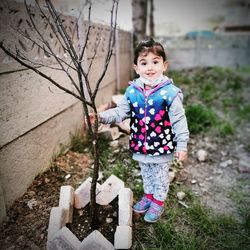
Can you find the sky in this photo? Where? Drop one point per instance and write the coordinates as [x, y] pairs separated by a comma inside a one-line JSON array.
[[186, 14], [171, 16]]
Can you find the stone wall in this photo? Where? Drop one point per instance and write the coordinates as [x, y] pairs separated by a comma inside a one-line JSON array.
[[222, 50], [35, 116]]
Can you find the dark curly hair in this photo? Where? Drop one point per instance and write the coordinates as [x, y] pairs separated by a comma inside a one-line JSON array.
[[149, 46]]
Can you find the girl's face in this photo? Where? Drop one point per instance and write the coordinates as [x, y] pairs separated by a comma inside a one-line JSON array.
[[150, 66]]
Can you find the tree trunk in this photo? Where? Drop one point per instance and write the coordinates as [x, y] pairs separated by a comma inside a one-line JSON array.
[[93, 211], [151, 19], [139, 19]]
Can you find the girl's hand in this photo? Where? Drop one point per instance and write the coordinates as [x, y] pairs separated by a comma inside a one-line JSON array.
[[181, 155], [92, 118]]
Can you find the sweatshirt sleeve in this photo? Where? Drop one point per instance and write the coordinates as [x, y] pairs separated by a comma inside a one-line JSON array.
[[117, 114], [179, 123]]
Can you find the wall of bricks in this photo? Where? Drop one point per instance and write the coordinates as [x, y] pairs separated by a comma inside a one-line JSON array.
[[35, 116]]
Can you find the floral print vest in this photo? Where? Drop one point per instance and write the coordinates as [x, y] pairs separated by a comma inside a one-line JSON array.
[[150, 129]]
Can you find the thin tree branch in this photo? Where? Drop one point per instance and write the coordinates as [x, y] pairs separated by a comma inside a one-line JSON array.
[[78, 18], [110, 45], [23, 57], [68, 42], [87, 34], [51, 26], [27, 36], [93, 57], [44, 41], [16, 58], [62, 31]]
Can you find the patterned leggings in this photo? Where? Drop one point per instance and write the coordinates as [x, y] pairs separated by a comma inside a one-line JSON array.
[[155, 179]]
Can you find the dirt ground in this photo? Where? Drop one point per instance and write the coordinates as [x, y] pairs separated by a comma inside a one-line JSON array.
[[222, 181], [224, 170]]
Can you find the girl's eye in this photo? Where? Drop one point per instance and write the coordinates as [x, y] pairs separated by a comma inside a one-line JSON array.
[[155, 62], [143, 64]]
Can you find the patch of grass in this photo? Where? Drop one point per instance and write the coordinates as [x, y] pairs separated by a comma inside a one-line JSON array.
[[179, 77], [78, 142], [244, 70], [234, 83], [239, 194], [161, 236], [191, 228], [244, 112], [208, 91], [200, 118], [225, 128]]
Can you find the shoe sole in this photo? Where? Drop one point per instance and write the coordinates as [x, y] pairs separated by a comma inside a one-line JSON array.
[[140, 211], [151, 221]]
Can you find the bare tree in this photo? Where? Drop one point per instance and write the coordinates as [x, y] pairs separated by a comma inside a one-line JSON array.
[[74, 60]]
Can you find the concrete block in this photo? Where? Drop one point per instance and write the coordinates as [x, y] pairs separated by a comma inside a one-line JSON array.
[[66, 201], [109, 190], [109, 133], [57, 220], [64, 239], [125, 207], [50, 135], [96, 241], [123, 237], [125, 215], [171, 176], [125, 197], [23, 110], [82, 193], [124, 126]]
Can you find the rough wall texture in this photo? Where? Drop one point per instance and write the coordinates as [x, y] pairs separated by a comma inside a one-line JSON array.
[[35, 116]]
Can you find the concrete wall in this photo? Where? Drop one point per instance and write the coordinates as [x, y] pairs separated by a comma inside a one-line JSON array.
[[35, 116], [222, 50]]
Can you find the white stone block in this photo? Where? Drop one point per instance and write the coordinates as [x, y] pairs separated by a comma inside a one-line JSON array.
[[96, 241], [64, 239], [125, 215], [82, 193], [171, 176], [109, 190], [125, 197], [57, 220], [66, 201], [123, 237], [124, 126]]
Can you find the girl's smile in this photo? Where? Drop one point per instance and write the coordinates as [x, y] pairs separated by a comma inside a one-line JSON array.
[[150, 66]]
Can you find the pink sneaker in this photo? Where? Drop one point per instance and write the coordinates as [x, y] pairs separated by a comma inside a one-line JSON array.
[[154, 212], [142, 205]]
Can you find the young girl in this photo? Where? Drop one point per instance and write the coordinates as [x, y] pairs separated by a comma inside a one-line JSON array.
[[158, 125]]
